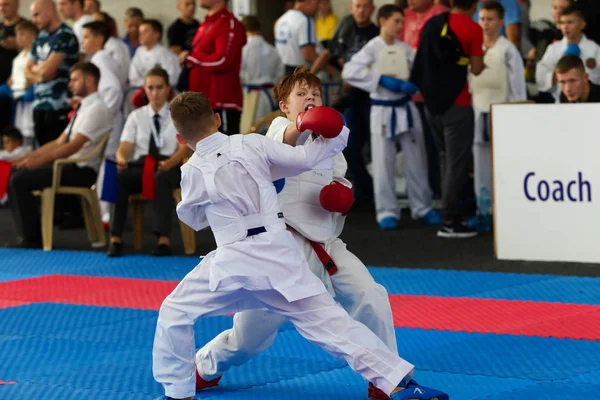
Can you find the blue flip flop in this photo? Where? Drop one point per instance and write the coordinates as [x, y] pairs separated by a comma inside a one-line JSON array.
[[415, 391]]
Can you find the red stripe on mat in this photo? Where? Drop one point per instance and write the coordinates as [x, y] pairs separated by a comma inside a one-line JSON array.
[[512, 317]]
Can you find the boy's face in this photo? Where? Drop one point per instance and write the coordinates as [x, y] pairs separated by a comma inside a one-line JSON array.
[[301, 99], [133, 25], [90, 43], [25, 38], [393, 25], [10, 144], [147, 35], [573, 84], [490, 22], [571, 26], [157, 90], [557, 8]]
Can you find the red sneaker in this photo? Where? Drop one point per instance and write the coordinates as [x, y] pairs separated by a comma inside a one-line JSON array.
[[374, 393], [202, 384]]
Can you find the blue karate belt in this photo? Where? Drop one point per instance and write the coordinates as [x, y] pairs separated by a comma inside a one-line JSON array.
[[486, 133], [403, 102], [256, 231]]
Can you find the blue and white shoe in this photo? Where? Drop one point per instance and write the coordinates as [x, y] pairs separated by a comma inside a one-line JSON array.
[[388, 223], [415, 391], [433, 217]]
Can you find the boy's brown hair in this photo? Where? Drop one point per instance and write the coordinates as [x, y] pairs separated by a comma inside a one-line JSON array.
[[191, 114], [568, 63], [301, 75], [25, 25], [158, 72]]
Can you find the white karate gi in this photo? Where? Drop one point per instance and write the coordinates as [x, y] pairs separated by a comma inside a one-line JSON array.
[[358, 72], [544, 70], [261, 65], [158, 56], [227, 184], [122, 59], [353, 286], [502, 80]]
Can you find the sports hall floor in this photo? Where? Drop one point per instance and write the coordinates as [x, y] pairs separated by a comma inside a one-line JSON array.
[[76, 325]]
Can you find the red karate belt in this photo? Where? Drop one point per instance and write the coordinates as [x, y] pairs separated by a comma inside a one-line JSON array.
[[149, 178], [320, 251], [5, 168]]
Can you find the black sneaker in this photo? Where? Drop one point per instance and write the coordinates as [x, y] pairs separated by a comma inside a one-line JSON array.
[[162, 250], [456, 230], [115, 249]]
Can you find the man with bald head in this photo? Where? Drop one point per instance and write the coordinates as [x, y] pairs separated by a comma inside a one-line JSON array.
[[54, 52]]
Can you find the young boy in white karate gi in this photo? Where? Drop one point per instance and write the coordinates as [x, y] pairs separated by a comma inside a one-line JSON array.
[[227, 185], [502, 80], [574, 42], [314, 205], [381, 68]]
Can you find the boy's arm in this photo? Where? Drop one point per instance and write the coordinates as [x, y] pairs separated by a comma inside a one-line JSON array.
[[357, 71], [544, 70], [516, 75], [194, 197]]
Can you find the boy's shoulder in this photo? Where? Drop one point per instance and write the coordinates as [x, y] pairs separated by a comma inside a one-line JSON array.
[[277, 128]]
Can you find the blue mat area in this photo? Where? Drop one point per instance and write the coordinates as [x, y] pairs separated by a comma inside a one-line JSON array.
[[59, 351]]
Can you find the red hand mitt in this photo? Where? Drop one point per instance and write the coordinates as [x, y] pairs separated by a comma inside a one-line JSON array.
[[336, 197]]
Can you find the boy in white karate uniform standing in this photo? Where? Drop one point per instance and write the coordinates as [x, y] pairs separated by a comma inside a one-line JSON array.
[[381, 67], [502, 80], [574, 42], [227, 185], [314, 206]]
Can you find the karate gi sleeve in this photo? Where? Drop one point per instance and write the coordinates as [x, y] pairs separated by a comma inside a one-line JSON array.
[[544, 71], [357, 71], [171, 64], [287, 161], [193, 198], [112, 96], [136, 78], [516, 75], [340, 166]]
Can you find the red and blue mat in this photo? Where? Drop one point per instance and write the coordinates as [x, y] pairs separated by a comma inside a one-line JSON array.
[[78, 325]]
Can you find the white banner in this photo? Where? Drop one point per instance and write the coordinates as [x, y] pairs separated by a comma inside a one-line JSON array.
[[546, 167]]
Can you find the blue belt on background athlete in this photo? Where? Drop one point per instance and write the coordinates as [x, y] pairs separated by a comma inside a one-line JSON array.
[[403, 102]]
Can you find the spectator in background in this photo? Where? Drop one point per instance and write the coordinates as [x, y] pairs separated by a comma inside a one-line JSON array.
[[19, 87], [261, 66], [574, 42], [73, 10], [149, 132], [326, 22], [181, 32], [543, 33], [54, 51], [133, 19], [214, 63], [503, 80], [440, 71], [34, 171], [352, 33], [574, 82], [512, 19], [415, 15], [12, 147], [117, 49], [151, 54], [91, 6], [9, 10]]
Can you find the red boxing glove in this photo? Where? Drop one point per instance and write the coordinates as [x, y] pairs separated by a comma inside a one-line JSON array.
[[336, 197], [322, 120]]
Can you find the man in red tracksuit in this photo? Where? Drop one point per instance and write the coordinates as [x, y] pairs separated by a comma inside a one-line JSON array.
[[215, 60]]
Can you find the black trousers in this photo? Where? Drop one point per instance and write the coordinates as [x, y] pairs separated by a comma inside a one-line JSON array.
[[130, 182], [358, 120], [453, 131], [230, 121], [23, 182], [49, 125], [433, 157]]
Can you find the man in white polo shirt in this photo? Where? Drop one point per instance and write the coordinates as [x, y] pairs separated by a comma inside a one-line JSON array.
[[90, 123], [295, 35]]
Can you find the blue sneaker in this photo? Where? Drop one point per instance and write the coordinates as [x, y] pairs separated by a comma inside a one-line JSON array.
[[388, 223], [415, 391], [481, 223], [433, 217]]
